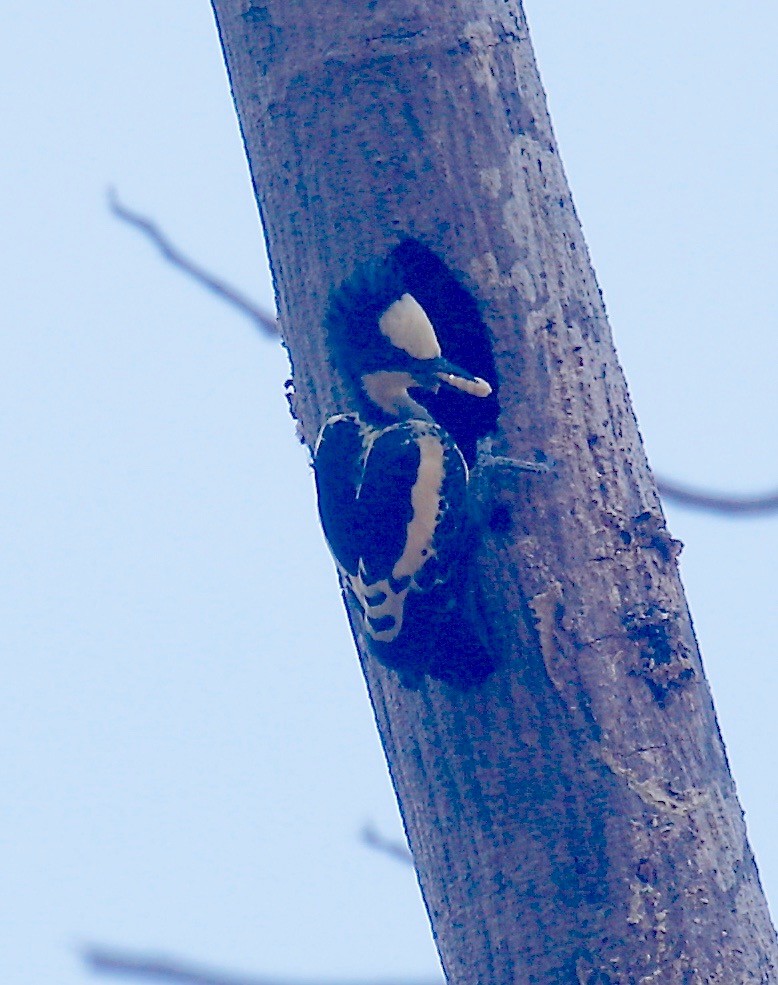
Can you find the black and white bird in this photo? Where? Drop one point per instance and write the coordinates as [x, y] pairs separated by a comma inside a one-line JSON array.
[[392, 485]]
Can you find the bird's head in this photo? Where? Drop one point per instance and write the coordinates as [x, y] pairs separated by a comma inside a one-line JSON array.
[[406, 355], [386, 345]]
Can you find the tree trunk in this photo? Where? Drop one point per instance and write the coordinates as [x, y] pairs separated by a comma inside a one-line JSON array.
[[573, 819]]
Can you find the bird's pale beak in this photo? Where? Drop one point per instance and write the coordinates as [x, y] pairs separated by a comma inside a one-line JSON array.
[[460, 379]]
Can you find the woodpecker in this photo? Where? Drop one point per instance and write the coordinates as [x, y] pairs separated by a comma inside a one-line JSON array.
[[392, 485]]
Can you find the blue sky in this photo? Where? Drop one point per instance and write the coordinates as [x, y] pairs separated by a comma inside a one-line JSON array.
[[188, 750]]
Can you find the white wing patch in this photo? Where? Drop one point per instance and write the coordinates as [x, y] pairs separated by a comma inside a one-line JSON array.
[[383, 601], [382, 605], [425, 503], [406, 325]]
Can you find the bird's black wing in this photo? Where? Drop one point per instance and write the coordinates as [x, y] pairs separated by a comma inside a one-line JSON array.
[[412, 503], [385, 499], [393, 508], [337, 467]]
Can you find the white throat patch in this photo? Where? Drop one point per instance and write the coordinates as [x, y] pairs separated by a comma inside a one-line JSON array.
[[389, 391], [406, 325]]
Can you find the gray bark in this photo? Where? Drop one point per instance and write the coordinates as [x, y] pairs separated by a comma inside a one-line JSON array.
[[573, 820]]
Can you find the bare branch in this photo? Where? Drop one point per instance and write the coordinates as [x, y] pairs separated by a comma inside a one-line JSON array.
[[106, 962], [698, 499], [262, 319], [395, 849]]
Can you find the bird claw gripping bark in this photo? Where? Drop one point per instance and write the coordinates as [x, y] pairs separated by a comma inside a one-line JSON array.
[[493, 474]]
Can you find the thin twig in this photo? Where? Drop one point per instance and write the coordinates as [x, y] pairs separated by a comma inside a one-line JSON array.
[[262, 319], [395, 849], [735, 506], [107, 962]]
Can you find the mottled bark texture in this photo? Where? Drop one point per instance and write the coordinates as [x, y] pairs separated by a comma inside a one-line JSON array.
[[573, 820]]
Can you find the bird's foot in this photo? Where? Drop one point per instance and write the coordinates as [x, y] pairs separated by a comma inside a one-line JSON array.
[[506, 466], [492, 474]]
